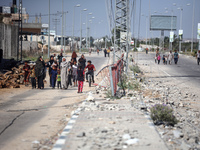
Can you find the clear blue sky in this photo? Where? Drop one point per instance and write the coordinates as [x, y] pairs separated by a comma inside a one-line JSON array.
[[98, 8]]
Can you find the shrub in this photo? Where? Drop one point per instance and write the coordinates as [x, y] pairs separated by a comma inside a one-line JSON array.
[[162, 114], [135, 69]]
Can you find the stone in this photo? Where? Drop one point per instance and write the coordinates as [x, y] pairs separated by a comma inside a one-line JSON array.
[[126, 137], [178, 134], [132, 141], [35, 144], [83, 134]]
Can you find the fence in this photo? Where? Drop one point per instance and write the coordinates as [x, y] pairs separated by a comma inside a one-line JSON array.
[[111, 75]]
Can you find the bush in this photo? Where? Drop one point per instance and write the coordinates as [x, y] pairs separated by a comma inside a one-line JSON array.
[[162, 114], [135, 69]]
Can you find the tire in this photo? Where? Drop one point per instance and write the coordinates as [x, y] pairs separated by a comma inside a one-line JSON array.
[[90, 80]]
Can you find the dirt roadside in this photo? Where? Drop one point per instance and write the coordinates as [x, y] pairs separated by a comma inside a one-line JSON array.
[[47, 129]]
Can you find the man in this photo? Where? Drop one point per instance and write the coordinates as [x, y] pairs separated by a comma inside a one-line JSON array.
[[176, 57], [60, 58], [49, 64], [105, 52], [198, 57], [91, 70]]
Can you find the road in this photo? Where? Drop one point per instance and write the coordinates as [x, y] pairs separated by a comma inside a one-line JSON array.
[[38, 114], [186, 74]]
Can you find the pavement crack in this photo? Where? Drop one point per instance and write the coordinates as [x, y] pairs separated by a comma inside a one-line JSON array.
[[10, 123]]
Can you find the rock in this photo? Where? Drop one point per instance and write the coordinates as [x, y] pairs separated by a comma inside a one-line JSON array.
[[35, 144], [178, 134], [81, 134], [131, 141], [45, 148], [181, 104], [108, 99], [104, 131], [126, 137]]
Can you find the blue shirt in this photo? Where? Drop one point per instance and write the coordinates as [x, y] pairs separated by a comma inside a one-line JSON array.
[[53, 73]]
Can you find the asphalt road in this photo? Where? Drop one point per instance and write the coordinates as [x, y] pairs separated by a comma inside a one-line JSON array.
[[20, 112], [186, 70]]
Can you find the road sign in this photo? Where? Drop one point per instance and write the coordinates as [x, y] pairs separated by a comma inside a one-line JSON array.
[[171, 36], [45, 25]]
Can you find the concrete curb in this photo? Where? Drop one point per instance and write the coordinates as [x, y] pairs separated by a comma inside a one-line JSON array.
[[63, 137]]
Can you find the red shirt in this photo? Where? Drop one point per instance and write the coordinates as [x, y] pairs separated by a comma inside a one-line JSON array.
[[90, 67]]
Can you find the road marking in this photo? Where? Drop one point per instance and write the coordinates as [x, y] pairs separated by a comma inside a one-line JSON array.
[[166, 73]]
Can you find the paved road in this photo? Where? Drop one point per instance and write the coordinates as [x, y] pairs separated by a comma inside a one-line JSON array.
[[187, 69], [20, 112]]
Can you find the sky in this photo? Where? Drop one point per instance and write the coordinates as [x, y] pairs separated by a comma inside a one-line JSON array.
[[100, 24]]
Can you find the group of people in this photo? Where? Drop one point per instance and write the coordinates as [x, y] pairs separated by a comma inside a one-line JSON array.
[[107, 52], [167, 59], [61, 72]]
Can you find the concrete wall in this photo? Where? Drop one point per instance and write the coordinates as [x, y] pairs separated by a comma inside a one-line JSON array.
[[28, 45], [8, 40]]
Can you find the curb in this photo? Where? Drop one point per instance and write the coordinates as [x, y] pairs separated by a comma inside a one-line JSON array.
[[63, 136]]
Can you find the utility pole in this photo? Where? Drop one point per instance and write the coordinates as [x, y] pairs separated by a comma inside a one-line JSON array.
[[193, 25], [62, 27], [20, 7], [49, 33], [64, 31]]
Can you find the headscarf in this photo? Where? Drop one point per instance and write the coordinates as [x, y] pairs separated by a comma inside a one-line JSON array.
[[64, 63], [39, 67]]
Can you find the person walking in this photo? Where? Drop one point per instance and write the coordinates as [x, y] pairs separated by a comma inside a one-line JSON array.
[[176, 57], [58, 78], [97, 51], [53, 77], [39, 72], [63, 70], [82, 61], [170, 57], [49, 65], [108, 52], [80, 78], [198, 57], [33, 77], [74, 55], [90, 51], [74, 73], [60, 59], [26, 70], [158, 58], [105, 52]]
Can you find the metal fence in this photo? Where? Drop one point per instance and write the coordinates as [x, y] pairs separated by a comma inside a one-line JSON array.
[[111, 75]]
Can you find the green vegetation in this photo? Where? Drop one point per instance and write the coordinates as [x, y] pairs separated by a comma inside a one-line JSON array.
[[135, 69], [163, 114]]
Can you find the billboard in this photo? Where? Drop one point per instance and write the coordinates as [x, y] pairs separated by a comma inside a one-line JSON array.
[[171, 39], [198, 31], [161, 22]]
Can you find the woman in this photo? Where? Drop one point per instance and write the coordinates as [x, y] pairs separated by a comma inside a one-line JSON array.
[[63, 70], [74, 55], [82, 61], [39, 72]]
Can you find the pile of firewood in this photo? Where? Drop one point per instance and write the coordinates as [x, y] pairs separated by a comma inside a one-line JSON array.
[[12, 78]]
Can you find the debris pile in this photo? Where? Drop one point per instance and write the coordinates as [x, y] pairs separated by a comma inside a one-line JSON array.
[[12, 78]]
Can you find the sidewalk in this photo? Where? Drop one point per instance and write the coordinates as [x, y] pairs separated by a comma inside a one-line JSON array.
[[110, 125]]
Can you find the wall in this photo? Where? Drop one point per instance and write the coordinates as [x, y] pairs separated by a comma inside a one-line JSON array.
[[8, 40]]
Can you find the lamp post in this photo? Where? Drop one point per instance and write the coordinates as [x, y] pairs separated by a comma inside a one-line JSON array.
[[81, 29], [78, 5], [193, 26], [87, 29], [181, 9], [49, 33], [62, 27]]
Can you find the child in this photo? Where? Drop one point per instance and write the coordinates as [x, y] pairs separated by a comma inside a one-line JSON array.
[[158, 58], [33, 77], [74, 73], [53, 77], [26, 69], [58, 78], [70, 74], [80, 78], [55, 64]]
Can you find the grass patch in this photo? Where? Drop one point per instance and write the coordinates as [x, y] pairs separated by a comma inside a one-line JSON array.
[[135, 69]]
